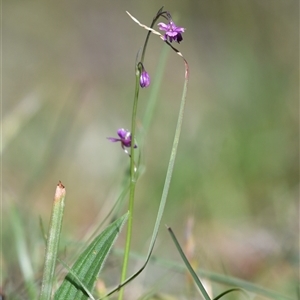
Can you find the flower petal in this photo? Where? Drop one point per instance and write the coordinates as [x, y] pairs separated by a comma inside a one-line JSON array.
[[163, 26], [122, 133], [114, 139]]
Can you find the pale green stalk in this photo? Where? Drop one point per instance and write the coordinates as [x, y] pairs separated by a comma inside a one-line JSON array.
[[167, 180], [53, 242], [133, 167], [133, 177]]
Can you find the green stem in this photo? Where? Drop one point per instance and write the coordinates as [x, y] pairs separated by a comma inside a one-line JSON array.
[[159, 13], [133, 167], [133, 176], [53, 242], [168, 176], [167, 180]]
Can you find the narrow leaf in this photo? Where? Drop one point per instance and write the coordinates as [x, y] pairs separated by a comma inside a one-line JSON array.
[[53, 241], [230, 291], [89, 264], [23, 253], [168, 175], [188, 265], [215, 277]]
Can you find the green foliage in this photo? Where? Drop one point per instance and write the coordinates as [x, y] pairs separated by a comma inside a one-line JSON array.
[[188, 265], [21, 245], [53, 242], [89, 264], [235, 171]]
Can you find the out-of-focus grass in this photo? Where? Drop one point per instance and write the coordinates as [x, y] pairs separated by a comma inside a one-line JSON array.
[[68, 80]]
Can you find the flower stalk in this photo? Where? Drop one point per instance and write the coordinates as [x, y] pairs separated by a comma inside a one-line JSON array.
[[173, 33], [133, 177]]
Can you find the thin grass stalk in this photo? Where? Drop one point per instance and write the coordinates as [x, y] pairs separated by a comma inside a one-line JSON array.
[[53, 242], [133, 177], [215, 277], [153, 98], [188, 265], [133, 167], [169, 170]]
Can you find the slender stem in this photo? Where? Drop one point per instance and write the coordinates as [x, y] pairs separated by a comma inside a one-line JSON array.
[[133, 173], [133, 167], [167, 180], [159, 13]]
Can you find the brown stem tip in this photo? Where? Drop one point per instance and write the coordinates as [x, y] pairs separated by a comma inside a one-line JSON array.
[[60, 191], [60, 185]]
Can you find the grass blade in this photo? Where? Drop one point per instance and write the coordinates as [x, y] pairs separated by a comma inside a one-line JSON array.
[[188, 265], [53, 241], [168, 176], [216, 277], [22, 250], [89, 264], [230, 291]]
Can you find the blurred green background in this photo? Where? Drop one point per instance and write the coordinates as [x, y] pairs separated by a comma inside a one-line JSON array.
[[68, 83]]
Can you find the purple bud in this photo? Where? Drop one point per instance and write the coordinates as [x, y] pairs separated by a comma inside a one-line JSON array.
[[144, 79]]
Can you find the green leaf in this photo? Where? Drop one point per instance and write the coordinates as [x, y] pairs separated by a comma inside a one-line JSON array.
[[188, 265], [53, 241], [89, 264], [168, 176], [230, 291]]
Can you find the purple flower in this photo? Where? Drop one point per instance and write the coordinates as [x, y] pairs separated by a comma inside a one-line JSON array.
[[144, 79], [125, 138], [173, 33]]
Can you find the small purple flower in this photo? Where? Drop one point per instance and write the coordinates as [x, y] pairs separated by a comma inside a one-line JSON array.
[[144, 79], [125, 138], [173, 33]]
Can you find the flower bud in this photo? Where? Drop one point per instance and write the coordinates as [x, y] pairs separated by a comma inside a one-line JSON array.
[[144, 79]]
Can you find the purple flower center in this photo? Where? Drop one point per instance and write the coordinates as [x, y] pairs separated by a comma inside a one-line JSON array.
[[173, 32]]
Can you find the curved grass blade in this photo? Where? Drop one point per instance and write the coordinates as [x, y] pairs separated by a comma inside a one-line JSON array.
[[169, 170], [230, 291], [89, 264], [188, 265], [215, 277]]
